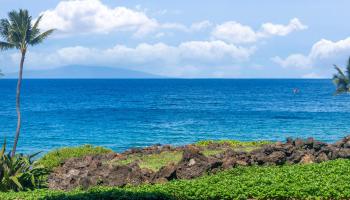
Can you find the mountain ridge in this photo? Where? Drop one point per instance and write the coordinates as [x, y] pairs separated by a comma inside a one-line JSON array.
[[83, 72]]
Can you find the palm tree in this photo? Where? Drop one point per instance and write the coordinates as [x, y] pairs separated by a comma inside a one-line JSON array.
[[18, 32], [341, 79]]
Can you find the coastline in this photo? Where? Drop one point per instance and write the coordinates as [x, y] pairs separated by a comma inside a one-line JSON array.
[[240, 165]]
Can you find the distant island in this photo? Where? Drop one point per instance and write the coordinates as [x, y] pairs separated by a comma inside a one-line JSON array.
[[83, 72]]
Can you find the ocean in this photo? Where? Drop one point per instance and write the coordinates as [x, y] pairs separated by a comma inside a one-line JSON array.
[[124, 113]]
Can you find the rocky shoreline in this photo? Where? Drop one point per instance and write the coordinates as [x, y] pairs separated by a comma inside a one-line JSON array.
[[102, 169]]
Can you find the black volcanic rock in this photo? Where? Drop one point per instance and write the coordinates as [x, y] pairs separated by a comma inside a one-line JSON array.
[[97, 170]]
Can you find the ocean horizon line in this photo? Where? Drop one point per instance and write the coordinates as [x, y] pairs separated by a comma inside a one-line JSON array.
[[173, 78]]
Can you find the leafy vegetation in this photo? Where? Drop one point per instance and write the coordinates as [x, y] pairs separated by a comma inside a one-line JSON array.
[[19, 32], [328, 180], [18, 172], [341, 79], [55, 157], [156, 161], [235, 144], [153, 161], [211, 152]]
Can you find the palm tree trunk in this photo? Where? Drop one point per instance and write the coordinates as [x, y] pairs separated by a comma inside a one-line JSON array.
[[18, 106]]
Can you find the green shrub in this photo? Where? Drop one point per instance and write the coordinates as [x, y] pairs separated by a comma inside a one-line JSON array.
[[328, 180], [55, 157], [18, 173], [234, 144]]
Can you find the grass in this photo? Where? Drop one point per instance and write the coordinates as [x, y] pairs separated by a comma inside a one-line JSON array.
[[328, 180], [233, 143], [55, 157], [153, 161], [156, 161], [211, 152]]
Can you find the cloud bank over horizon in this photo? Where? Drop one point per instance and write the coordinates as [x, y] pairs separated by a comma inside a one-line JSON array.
[[94, 32]]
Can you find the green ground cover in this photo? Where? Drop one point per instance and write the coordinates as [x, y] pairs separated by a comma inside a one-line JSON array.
[[156, 161], [234, 143], [55, 157], [328, 180], [153, 161]]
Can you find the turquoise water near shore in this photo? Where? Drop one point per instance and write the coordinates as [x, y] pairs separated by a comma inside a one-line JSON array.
[[125, 113]]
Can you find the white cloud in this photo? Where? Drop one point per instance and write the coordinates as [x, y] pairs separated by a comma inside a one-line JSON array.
[[268, 29], [295, 60], [198, 26], [234, 32], [159, 58], [174, 26], [213, 51], [323, 53], [86, 16], [92, 16], [73, 54], [325, 49], [159, 35], [237, 33], [142, 54]]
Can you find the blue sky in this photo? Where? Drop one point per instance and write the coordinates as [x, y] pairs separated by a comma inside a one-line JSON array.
[[191, 39]]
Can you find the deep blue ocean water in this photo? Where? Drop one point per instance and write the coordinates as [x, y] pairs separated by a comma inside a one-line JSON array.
[[120, 114]]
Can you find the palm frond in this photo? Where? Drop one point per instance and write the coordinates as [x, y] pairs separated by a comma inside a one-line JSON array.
[[341, 81], [335, 79], [19, 30], [40, 38], [348, 68], [20, 20], [35, 31], [6, 45], [14, 33], [4, 28], [340, 72], [36, 24]]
